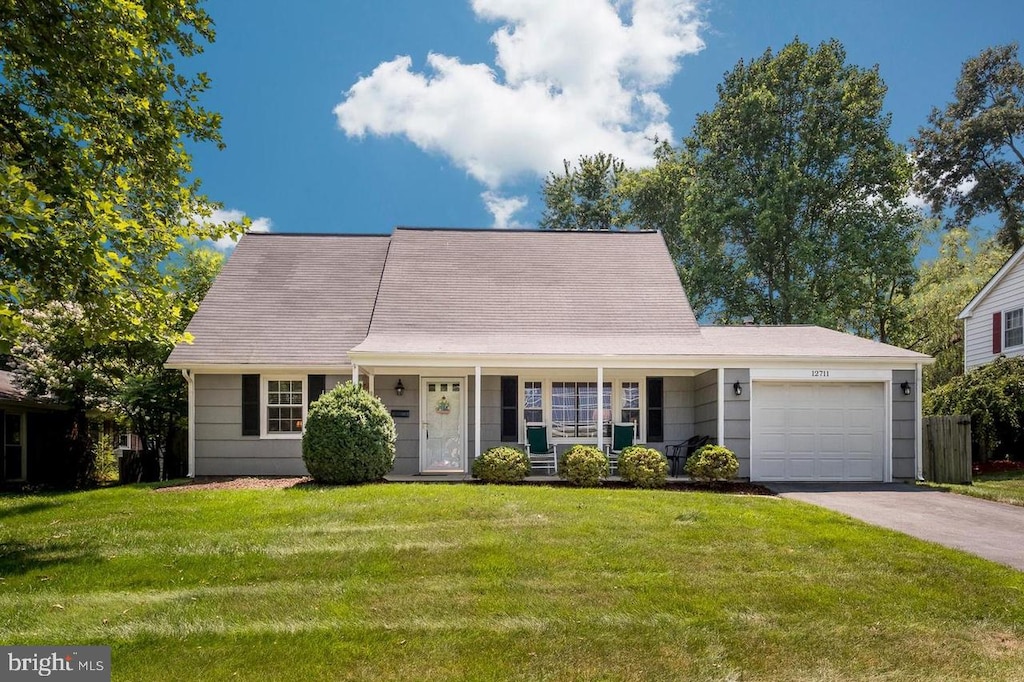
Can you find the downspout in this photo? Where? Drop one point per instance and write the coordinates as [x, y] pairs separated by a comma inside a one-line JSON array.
[[191, 381], [918, 435]]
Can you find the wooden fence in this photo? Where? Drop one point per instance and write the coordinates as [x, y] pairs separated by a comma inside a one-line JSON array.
[[947, 448]]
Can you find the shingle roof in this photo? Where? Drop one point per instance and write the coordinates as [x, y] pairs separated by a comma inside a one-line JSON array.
[[10, 392], [798, 341], [529, 291], [287, 300]]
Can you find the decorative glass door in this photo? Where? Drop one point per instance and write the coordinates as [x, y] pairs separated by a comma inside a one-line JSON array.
[[442, 427]]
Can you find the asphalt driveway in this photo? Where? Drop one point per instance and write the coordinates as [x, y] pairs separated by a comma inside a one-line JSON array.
[[990, 530]]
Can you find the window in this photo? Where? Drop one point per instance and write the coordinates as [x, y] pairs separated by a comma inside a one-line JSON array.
[[533, 401], [1013, 328], [574, 409], [631, 403], [285, 406]]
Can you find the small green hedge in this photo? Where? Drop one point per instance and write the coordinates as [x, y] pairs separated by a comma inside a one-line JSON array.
[[712, 463], [583, 465], [502, 464], [644, 467], [349, 437]]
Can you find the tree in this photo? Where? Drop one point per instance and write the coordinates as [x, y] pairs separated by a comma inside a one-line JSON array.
[[95, 188], [795, 213], [585, 197], [970, 156], [944, 286], [55, 357]]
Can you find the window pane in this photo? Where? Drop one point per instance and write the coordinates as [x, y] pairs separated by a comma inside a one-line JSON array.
[[630, 395]]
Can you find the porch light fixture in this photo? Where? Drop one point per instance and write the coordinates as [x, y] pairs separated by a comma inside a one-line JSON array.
[[399, 388], [906, 387], [737, 388]]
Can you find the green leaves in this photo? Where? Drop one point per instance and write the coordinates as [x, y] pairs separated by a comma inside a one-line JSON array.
[[970, 156]]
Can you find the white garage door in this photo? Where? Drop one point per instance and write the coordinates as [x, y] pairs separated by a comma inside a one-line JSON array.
[[818, 432]]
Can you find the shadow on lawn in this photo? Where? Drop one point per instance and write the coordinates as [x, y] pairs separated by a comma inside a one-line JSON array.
[[18, 558]]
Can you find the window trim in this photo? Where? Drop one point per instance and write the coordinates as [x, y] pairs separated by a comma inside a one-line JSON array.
[[265, 380], [1006, 329], [615, 380]]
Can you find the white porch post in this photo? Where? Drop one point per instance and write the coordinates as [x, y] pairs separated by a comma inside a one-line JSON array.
[[355, 373], [476, 412], [369, 379], [600, 408], [721, 406], [190, 379]]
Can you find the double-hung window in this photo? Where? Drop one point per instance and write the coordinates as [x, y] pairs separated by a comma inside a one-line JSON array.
[[631, 403], [1013, 328], [533, 401], [574, 409], [285, 403]]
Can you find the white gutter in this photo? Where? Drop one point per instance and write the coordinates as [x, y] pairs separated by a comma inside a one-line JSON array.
[[191, 381]]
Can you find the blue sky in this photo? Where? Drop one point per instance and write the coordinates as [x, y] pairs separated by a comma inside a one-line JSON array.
[[466, 143]]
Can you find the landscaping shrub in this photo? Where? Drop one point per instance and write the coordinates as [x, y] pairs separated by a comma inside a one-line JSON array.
[[712, 463], [349, 437], [642, 466], [583, 465], [502, 464], [993, 397]]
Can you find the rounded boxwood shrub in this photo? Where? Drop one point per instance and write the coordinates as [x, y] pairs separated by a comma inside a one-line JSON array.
[[349, 437], [502, 464], [712, 463], [643, 467], [583, 465]]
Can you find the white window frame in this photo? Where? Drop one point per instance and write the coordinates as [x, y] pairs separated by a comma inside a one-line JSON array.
[[616, 405], [23, 437], [1007, 328], [264, 404]]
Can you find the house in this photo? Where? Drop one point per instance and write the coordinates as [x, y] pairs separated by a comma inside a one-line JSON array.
[[33, 435], [994, 319], [466, 335]]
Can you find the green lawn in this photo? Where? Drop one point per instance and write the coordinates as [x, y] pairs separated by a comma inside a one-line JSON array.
[[440, 582], [1007, 486]]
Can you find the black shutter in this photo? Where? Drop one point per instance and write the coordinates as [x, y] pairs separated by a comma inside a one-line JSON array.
[[509, 409], [316, 385], [250, 404], [655, 409]]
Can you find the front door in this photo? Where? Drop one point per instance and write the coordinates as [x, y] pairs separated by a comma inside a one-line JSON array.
[[442, 428]]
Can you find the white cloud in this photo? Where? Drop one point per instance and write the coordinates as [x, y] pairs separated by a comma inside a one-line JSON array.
[[503, 208], [232, 215], [570, 77]]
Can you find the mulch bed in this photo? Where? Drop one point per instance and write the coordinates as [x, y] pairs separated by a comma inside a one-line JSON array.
[[279, 482], [997, 466]]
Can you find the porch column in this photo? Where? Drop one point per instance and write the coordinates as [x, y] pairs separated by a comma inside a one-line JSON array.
[[919, 462], [369, 383], [721, 406], [476, 411], [600, 408], [355, 373]]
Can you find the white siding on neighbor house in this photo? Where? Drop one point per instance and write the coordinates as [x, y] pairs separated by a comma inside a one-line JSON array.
[[1008, 294]]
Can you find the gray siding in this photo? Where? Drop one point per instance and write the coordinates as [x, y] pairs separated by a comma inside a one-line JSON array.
[[222, 450], [705, 404], [490, 413], [678, 409], [904, 426], [407, 447], [737, 418]]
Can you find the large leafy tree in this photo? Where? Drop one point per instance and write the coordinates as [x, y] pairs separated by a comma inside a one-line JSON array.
[[95, 187], [970, 156], [944, 286], [585, 196], [795, 213]]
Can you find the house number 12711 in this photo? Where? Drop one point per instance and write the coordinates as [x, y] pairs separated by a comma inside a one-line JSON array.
[[819, 372]]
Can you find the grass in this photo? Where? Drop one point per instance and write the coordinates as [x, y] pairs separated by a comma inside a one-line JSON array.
[[1004, 486], [442, 582]]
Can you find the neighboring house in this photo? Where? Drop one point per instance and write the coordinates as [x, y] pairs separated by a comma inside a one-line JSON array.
[[32, 432], [994, 319], [467, 334]]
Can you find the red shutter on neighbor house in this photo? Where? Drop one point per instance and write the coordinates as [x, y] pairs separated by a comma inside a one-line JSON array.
[[997, 333]]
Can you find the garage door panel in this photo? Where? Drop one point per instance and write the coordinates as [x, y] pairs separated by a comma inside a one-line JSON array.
[[818, 431]]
